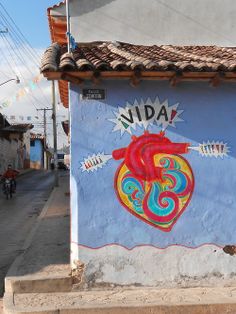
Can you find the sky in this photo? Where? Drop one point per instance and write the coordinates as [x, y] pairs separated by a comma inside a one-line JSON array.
[[31, 17], [21, 58]]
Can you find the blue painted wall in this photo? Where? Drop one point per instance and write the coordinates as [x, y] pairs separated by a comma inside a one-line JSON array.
[[36, 152], [209, 113]]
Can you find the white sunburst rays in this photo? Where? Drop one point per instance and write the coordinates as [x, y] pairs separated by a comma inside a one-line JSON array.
[[145, 113], [94, 162], [212, 149]]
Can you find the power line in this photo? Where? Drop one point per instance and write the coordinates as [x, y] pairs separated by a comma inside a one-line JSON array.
[[12, 56], [6, 59], [4, 73], [21, 75], [18, 53], [35, 99], [25, 63], [9, 28], [13, 59], [18, 29], [18, 41]]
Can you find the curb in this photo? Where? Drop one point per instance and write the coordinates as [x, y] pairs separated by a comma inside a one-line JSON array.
[[9, 307], [218, 308]]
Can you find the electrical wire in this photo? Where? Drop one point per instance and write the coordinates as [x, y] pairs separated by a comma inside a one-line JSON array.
[[17, 53], [24, 39], [8, 76], [18, 45], [7, 61], [13, 59], [10, 49], [25, 63]]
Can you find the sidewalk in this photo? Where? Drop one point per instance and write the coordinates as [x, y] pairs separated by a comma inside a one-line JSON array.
[[39, 280], [43, 265], [46, 250]]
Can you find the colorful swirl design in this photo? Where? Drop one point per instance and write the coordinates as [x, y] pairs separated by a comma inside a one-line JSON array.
[[159, 202], [134, 189]]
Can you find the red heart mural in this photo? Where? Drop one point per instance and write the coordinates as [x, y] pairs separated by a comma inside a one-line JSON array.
[[154, 183]]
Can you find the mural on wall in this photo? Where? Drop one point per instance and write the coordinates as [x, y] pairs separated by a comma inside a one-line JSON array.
[[154, 182], [212, 149], [145, 114], [94, 162]]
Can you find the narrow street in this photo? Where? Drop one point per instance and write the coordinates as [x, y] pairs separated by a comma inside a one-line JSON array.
[[18, 215]]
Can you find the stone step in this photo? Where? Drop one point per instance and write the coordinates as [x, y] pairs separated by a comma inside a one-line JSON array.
[[125, 301]]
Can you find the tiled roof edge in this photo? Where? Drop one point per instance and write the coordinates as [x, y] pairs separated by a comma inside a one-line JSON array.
[[59, 4]]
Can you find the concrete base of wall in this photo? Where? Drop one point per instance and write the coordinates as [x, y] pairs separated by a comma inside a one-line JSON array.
[[172, 267]]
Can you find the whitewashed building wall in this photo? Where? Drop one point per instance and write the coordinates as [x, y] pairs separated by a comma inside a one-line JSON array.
[[175, 22], [8, 154]]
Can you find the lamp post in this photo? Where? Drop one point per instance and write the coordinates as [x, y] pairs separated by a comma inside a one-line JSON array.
[[13, 79]]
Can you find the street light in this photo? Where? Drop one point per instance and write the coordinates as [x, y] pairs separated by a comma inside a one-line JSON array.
[[13, 79]]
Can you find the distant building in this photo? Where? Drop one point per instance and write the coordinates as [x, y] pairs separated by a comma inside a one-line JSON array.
[[14, 144], [39, 158], [36, 151], [65, 126]]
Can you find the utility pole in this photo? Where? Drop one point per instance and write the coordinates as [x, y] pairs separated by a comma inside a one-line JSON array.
[[54, 118], [68, 50], [45, 132]]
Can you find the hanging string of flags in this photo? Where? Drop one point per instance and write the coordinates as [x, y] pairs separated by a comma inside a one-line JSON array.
[[32, 118], [15, 118], [30, 86]]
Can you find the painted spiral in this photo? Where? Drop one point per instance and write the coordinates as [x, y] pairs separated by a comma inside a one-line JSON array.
[[159, 202]]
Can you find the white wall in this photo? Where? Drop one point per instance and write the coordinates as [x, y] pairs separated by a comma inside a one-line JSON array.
[[8, 154], [177, 22], [27, 144]]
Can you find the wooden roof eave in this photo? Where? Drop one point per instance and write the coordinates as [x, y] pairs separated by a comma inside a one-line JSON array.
[[79, 76]]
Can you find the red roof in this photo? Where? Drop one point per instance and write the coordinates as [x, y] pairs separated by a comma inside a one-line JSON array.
[[38, 136], [117, 56], [59, 4], [58, 29]]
